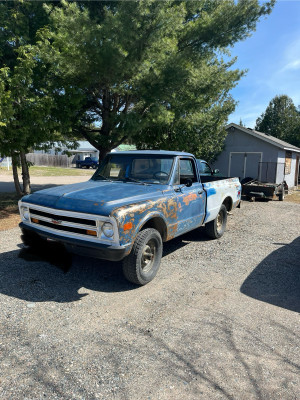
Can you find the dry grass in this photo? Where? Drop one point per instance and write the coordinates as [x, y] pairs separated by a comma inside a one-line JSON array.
[[294, 197], [9, 213]]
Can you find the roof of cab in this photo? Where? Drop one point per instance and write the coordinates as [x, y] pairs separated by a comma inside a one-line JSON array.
[[154, 152]]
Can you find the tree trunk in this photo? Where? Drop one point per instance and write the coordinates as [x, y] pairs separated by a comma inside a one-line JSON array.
[[25, 173], [102, 154], [15, 163]]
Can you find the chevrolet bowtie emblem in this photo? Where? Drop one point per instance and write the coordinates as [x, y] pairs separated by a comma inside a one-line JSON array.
[[56, 221]]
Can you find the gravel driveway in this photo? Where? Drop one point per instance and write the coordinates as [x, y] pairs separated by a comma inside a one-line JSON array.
[[220, 320]]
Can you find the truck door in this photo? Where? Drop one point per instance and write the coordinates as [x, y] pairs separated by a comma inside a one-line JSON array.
[[190, 199]]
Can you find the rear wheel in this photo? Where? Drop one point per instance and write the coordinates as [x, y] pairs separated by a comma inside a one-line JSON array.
[[142, 264], [216, 228]]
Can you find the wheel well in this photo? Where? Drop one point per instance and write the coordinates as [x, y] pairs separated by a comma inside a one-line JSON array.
[[158, 224], [228, 203]]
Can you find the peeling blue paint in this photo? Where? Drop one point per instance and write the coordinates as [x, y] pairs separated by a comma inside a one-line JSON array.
[[211, 191]]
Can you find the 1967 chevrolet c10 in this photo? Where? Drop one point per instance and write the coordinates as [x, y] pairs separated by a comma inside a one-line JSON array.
[[133, 203]]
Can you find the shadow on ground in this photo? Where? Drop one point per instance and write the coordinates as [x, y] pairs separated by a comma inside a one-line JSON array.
[[9, 187], [276, 280], [50, 273]]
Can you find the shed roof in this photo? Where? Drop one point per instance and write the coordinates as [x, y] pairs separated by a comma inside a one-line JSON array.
[[265, 137]]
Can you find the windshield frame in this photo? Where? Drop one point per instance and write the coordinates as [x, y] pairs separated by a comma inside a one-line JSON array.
[[133, 156]]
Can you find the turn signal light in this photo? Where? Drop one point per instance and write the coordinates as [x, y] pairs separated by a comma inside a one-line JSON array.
[[35, 220], [127, 226], [92, 233]]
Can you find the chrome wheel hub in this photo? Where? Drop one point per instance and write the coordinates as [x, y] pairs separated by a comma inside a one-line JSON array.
[[148, 256]]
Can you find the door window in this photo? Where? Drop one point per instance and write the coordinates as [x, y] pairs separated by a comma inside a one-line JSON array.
[[187, 171]]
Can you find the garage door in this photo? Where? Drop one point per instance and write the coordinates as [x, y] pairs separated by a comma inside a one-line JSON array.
[[244, 164]]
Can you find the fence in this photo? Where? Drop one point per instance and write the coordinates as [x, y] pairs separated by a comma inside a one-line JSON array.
[[51, 160]]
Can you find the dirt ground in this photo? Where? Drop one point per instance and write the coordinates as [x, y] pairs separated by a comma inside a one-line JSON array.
[[41, 182], [220, 320]]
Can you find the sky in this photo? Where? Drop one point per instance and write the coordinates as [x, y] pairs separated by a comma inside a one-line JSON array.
[[272, 57]]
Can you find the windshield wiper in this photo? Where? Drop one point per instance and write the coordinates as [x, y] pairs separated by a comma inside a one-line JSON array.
[[129, 179]]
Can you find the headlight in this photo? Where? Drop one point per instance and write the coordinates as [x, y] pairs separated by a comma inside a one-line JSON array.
[[25, 213], [108, 229]]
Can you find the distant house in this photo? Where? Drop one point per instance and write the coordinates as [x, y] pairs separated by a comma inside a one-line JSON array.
[[85, 149], [249, 153]]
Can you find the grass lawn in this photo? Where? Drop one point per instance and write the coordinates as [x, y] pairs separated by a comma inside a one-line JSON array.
[[52, 171]]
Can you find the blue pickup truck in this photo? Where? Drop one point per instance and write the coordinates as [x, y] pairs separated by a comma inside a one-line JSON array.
[[133, 203], [88, 162]]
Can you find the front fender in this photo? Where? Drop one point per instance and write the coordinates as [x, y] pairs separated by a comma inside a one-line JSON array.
[[132, 218]]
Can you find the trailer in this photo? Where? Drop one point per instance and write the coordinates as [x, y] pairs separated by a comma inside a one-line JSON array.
[[268, 184], [263, 190]]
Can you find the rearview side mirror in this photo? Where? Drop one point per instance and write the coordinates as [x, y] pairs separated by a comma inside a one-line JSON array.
[[215, 171], [188, 182]]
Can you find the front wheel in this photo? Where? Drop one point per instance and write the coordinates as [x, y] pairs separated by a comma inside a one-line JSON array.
[[142, 264], [216, 228]]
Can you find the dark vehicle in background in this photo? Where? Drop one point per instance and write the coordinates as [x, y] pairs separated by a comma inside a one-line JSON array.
[[88, 162], [205, 169]]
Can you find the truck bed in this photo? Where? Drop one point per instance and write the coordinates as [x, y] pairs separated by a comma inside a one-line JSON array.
[[220, 190]]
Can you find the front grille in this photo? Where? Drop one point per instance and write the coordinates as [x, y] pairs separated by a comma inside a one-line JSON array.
[[61, 227], [63, 218], [65, 221]]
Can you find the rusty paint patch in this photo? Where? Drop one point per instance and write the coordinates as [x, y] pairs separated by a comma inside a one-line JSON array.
[[165, 207], [172, 231], [187, 199]]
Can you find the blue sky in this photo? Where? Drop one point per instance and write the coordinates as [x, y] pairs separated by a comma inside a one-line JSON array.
[[272, 57]]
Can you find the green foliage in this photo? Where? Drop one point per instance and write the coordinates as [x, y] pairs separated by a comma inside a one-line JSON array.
[[281, 119], [151, 72], [26, 103]]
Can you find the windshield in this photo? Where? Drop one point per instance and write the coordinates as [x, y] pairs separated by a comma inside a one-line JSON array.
[[137, 168]]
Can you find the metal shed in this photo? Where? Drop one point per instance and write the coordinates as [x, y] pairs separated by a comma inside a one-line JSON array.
[[249, 153]]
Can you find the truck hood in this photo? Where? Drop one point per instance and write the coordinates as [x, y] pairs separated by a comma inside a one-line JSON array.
[[94, 197]]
